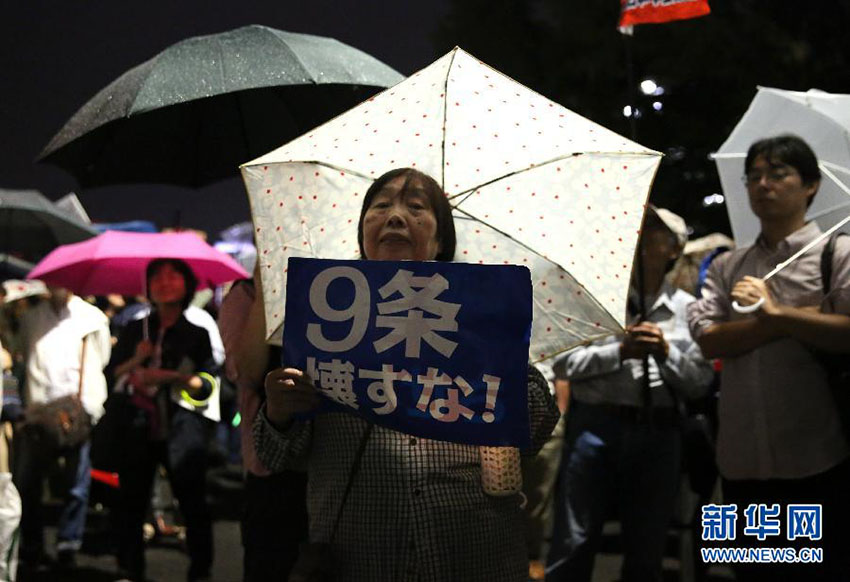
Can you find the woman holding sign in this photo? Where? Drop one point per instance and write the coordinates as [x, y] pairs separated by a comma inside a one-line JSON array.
[[384, 505]]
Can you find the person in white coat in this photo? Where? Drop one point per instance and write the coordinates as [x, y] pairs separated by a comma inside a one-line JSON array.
[[67, 345]]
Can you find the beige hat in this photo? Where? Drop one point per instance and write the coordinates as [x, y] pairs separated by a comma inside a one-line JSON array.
[[15, 289], [674, 223]]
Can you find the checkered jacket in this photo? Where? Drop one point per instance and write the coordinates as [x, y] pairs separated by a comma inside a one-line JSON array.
[[416, 510]]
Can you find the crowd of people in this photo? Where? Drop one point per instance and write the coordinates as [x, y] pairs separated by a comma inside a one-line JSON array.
[[336, 495]]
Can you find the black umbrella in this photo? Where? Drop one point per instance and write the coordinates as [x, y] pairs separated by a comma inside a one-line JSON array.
[[12, 267], [193, 113], [31, 225]]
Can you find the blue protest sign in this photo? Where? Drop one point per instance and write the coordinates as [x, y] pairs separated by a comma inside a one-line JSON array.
[[432, 349]]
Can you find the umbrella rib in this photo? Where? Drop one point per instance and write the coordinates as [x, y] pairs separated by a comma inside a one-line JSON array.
[[569, 331], [282, 42], [317, 163], [445, 119], [826, 211], [470, 191], [545, 258], [806, 248], [221, 67], [468, 216], [584, 341], [834, 167], [731, 156], [131, 111], [841, 186]]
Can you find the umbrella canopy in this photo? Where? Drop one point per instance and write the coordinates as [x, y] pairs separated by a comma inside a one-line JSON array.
[[126, 226], [531, 183], [823, 120], [193, 113], [70, 204], [239, 232], [32, 226], [115, 262], [12, 267]]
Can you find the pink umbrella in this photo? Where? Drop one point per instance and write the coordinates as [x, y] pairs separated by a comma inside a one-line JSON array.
[[115, 262]]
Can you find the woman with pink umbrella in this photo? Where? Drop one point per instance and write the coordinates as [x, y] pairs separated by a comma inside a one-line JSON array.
[[166, 378]]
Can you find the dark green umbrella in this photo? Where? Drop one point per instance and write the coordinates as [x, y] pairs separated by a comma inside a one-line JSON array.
[[193, 113], [31, 225]]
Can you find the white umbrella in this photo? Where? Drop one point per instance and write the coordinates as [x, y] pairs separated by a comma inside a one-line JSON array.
[[823, 120], [531, 182]]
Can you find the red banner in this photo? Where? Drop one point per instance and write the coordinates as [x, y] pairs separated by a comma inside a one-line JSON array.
[[654, 11]]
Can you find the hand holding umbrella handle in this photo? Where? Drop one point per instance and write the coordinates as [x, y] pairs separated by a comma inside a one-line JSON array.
[[748, 308], [757, 305]]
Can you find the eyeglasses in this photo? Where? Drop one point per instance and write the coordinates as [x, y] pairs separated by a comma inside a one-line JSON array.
[[772, 176]]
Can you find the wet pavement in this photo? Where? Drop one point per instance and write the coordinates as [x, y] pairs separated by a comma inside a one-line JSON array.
[[167, 560]]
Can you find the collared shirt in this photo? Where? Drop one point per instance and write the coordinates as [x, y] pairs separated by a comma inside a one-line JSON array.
[[778, 419], [597, 375], [416, 510], [54, 348]]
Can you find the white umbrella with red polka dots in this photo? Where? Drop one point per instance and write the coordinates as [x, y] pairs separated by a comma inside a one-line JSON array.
[[531, 183]]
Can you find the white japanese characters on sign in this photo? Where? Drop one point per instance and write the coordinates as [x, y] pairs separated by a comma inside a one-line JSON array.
[[427, 348], [405, 316]]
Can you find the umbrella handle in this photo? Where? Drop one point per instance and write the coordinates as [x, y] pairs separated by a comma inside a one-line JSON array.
[[748, 308]]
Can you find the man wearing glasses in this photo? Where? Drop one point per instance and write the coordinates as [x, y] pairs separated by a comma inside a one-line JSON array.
[[781, 439]]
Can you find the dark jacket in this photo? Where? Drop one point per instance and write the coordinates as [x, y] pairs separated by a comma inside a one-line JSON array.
[[185, 346]]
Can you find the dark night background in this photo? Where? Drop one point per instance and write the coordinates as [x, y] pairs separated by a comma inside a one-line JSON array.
[[56, 55]]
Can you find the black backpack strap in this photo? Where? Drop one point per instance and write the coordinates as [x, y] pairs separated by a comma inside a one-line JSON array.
[[826, 262]]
